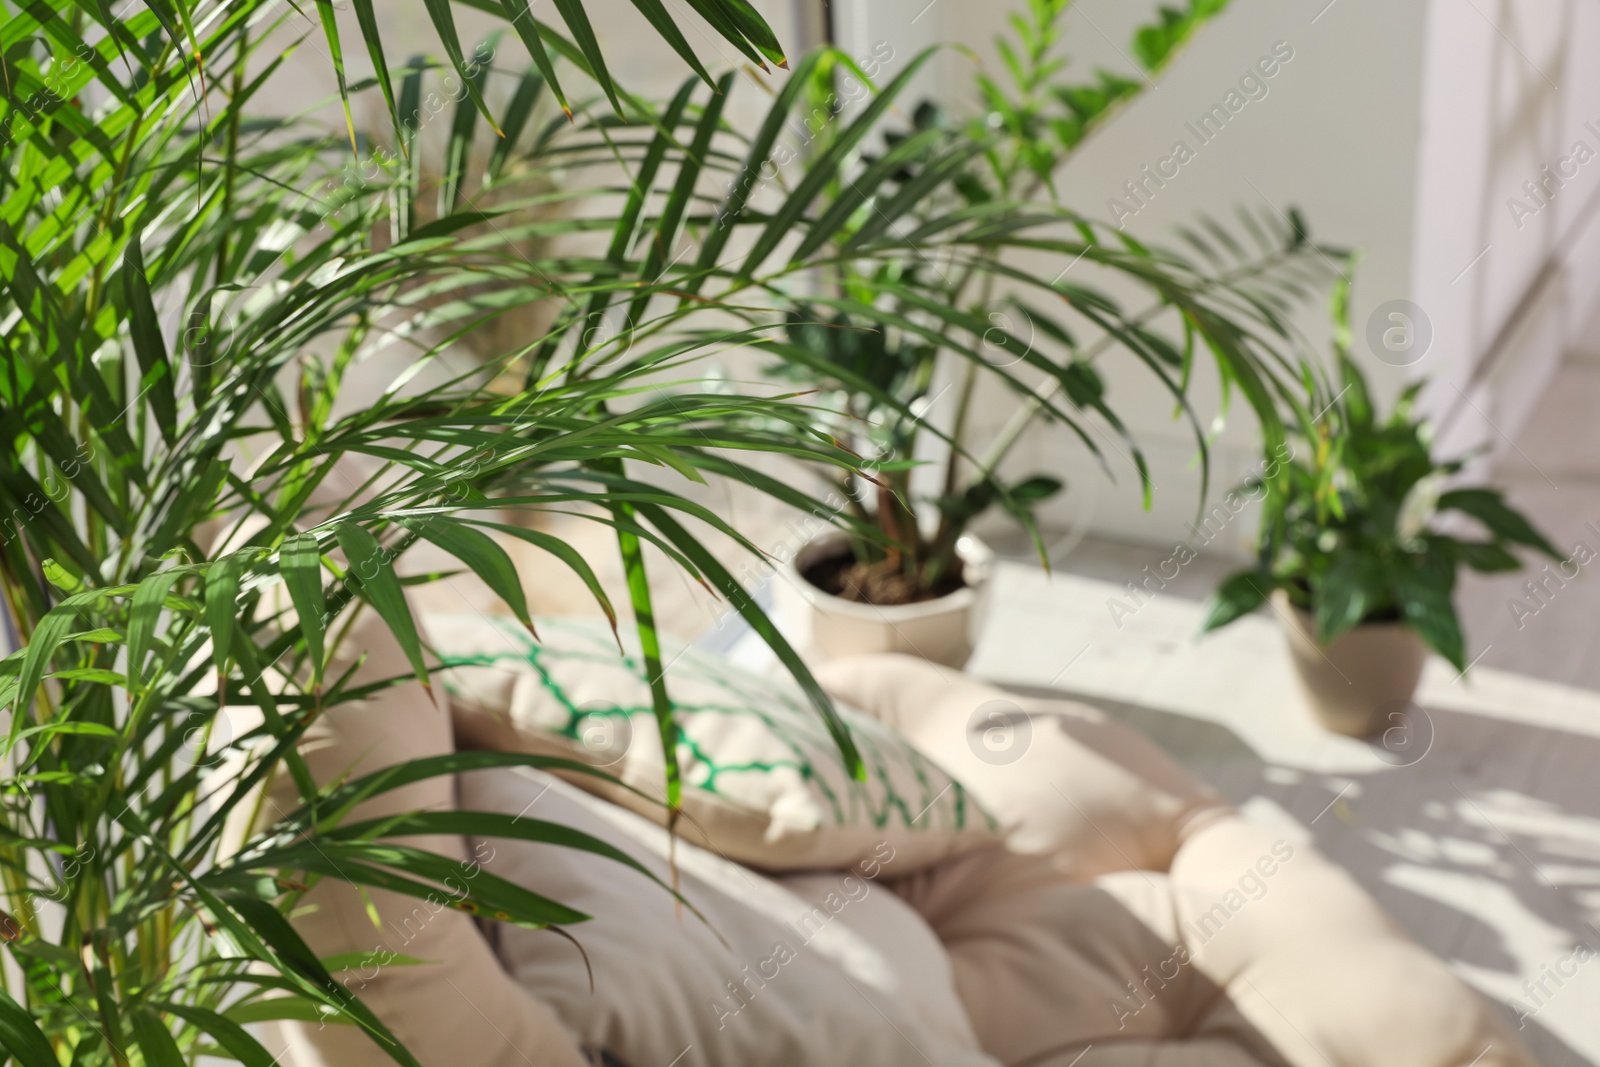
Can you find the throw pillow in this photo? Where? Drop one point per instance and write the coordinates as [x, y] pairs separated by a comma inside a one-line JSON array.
[[764, 783]]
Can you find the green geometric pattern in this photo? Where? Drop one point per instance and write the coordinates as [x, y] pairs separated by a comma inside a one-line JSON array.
[[741, 736]]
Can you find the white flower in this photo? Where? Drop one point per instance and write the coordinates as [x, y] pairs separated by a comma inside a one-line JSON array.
[[1419, 507]]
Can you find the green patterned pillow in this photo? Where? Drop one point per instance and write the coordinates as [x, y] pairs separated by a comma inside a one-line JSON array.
[[764, 783]]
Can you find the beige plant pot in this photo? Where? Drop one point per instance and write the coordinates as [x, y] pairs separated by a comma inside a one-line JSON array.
[[944, 630], [1365, 675]]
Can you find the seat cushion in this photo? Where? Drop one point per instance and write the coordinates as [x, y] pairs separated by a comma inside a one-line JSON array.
[[764, 781], [814, 970], [1063, 779], [1214, 962], [1316, 966], [1051, 970]]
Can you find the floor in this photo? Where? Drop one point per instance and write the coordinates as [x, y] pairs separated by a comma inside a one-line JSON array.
[[1552, 472]]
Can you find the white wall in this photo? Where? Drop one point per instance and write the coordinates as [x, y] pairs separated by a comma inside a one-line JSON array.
[[1501, 101]]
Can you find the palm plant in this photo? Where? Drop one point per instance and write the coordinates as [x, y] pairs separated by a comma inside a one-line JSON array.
[[175, 302], [892, 317]]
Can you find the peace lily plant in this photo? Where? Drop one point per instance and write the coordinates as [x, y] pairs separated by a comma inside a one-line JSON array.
[[1356, 546]]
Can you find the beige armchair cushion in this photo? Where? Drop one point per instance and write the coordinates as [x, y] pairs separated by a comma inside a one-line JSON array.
[[460, 1007], [1062, 778]]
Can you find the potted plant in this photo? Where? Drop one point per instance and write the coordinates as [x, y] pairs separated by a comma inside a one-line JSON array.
[[181, 308], [898, 345], [1352, 553]]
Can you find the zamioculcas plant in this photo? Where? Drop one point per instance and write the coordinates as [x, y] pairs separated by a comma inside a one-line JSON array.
[[908, 320]]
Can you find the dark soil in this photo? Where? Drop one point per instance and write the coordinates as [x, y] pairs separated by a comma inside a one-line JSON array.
[[883, 583]]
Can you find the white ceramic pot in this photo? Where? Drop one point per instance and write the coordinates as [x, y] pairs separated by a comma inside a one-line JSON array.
[[1359, 682], [944, 630]]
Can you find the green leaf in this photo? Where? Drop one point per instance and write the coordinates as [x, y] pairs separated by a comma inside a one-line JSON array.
[[1239, 596], [234, 1039], [46, 639], [298, 1009], [491, 824], [372, 570], [746, 606], [566, 554], [144, 327], [644, 617], [1425, 595], [145, 612], [669, 229], [527, 27], [99, 635], [86, 729], [21, 1036], [863, 189], [577, 20], [330, 31], [661, 20], [1486, 557], [747, 21], [625, 231], [290, 953], [483, 555], [1038, 487], [300, 563], [339, 800], [376, 864], [744, 183], [444, 24], [222, 609], [1342, 597], [155, 1040], [458, 152], [1489, 508], [716, 15], [61, 578], [523, 101], [824, 169], [368, 19]]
